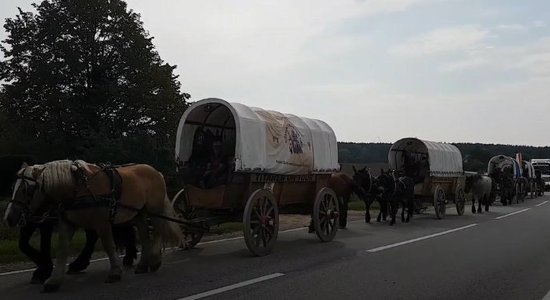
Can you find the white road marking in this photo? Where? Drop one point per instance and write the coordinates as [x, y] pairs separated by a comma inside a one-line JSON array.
[[378, 249], [541, 204], [511, 214], [232, 287], [547, 297]]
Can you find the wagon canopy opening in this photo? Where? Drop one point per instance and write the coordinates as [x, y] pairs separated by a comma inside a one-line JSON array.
[[444, 160], [259, 140], [505, 164]]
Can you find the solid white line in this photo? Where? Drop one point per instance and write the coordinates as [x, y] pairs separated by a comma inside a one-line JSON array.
[[511, 214], [541, 204], [31, 270], [547, 297], [203, 243], [419, 239], [232, 287]]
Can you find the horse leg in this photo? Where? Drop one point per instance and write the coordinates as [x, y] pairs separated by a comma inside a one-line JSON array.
[[143, 230], [367, 210], [404, 206], [156, 247], [127, 234], [344, 212], [46, 264], [479, 210], [473, 204], [394, 209], [410, 209], [66, 233], [41, 273], [83, 260], [106, 235], [486, 203], [384, 205]]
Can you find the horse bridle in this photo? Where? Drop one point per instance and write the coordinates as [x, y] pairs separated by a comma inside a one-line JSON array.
[[25, 206]]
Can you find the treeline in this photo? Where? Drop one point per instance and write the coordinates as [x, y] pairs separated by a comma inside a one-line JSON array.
[[475, 155], [82, 79]]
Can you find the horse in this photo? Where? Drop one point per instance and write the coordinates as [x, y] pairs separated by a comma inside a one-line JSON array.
[[402, 195], [344, 186], [481, 187], [84, 195], [124, 234], [372, 191], [505, 182]]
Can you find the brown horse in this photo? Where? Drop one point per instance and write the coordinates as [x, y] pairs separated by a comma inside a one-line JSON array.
[[344, 187], [83, 193]]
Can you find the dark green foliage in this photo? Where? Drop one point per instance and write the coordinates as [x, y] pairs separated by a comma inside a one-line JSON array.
[[83, 80], [475, 156]]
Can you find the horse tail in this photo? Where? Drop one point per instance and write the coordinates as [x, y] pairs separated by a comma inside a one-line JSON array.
[[170, 231]]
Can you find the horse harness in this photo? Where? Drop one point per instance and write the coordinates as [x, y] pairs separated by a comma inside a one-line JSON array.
[[110, 200]]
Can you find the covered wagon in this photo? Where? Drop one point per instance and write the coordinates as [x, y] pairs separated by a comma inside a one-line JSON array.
[[436, 169], [247, 164], [506, 173]]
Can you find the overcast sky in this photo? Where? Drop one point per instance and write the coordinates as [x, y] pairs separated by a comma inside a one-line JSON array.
[[375, 70]]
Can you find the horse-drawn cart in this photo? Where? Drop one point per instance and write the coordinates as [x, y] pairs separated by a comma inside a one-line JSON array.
[[436, 169], [245, 164], [507, 174]]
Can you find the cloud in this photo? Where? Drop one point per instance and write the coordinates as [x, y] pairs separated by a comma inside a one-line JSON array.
[[539, 24], [512, 27], [444, 40], [532, 58]]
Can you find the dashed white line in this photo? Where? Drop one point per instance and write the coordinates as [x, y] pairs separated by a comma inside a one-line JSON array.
[[542, 203], [232, 287], [378, 249], [511, 214]]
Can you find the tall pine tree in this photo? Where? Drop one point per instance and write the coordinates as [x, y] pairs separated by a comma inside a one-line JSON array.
[[83, 77]]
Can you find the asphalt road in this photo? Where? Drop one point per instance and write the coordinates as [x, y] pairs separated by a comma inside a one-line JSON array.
[[503, 254]]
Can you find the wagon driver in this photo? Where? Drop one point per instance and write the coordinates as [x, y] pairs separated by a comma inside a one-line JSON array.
[[217, 167]]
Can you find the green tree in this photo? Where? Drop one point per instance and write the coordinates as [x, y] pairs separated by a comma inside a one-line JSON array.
[[84, 77]]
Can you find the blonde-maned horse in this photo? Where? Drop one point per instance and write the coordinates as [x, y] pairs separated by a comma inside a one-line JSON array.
[[61, 183]]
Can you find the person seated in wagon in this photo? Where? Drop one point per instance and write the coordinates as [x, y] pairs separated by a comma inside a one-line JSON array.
[[217, 168]]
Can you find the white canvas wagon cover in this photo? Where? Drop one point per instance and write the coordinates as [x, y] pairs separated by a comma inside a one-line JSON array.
[[502, 161], [445, 160], [263, 141]]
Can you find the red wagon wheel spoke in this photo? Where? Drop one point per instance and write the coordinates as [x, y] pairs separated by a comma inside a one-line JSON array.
[[261, 222], [325, 212]]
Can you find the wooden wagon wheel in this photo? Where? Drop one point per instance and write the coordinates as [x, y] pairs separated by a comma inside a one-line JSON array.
[[440, 203], [460, 200], [191, 237], [261, 222], [325, 214]]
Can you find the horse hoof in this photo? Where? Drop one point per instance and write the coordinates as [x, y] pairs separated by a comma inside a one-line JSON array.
[[50, 288], [141, 270], [127, 261], [113, 278], [76, 268], [155, 267]]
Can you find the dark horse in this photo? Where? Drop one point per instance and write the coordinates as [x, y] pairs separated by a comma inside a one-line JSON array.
[[398, 191], [372, 190], [125, 236]]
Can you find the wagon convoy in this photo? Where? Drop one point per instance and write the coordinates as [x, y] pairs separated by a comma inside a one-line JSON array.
[[244, 164], [240, 163]]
